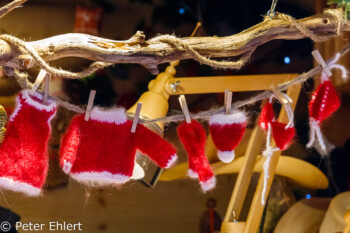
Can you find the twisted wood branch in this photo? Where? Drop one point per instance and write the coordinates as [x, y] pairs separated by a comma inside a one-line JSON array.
[[150, 53]]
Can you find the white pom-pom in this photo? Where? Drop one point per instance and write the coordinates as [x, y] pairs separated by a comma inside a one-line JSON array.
[[226, 156]]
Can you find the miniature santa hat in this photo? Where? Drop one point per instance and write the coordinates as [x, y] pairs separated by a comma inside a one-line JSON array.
[[102, 150], [227, 131], [193, 137], [323, 103], [23, 154]]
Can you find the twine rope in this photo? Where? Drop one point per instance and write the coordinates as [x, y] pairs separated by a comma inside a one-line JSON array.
[[180, 44], [204, 115]]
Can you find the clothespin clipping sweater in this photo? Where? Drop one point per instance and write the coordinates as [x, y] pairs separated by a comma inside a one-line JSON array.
[[23, 154], [108, 133]]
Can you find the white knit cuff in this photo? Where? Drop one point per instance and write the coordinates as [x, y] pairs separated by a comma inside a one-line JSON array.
[[171, 161], [208, 184], [236, 117], [50, 106], [113, 115]]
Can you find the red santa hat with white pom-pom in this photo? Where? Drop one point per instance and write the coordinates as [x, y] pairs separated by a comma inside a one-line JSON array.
[[227, 131]]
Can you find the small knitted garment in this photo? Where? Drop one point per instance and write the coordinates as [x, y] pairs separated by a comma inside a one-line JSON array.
[[323, 103], [23, 154], [227, 131], [193, 137], [282, 133], [102, 150]]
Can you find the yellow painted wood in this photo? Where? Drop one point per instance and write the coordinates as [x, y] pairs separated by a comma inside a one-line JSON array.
[[257, 208], [210, 150], [347, 221], [245, 174], [216, 84], [297, 171], [155, 100], [236, 227]]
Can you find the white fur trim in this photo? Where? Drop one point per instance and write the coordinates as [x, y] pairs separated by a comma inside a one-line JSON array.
[[40, 106], [67, 166], [192, 174], [102, 178], [17, 108], [236, 117], [171, 161], [209, 184], [226, 156], [10, 184], [113, 115], [138, 173]]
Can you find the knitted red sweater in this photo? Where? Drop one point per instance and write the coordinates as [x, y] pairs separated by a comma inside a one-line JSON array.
[[23, 154], [103, 149]]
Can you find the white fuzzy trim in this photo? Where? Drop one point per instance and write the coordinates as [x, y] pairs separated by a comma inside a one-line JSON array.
[[67, 166], [113, 115], [236, 117], [102, 178], [17, 186], [192, 174], [36, 104], [17, 108], [171, 161], [28, 99], [226, 156], [209, 184], [138, 172]]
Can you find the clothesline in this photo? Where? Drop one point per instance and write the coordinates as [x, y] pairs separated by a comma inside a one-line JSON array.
[[204, 115]]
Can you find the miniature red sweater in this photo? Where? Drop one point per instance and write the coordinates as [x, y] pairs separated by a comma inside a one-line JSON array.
[[103, 149], [23, 155]]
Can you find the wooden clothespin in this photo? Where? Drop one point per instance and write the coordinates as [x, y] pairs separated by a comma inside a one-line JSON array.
[[228, 101], [184, 108], [136, 117], [46, 89], [320, 60], [89, 105], [42, 74]]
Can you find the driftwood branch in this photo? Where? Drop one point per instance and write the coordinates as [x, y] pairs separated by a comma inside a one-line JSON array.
[[11, 6], [150, 53]]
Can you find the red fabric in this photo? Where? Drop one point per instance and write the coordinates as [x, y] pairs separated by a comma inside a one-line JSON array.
[[283, 136], [88, 20], [193, 137], [107, 150], [266, 116], [211, 216], [227, 137], [227, 131], [23, 154], [324, 102]]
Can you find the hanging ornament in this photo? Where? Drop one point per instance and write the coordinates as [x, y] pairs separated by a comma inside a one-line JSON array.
[[193, 137], [282, 134], [227, 131], [323, 103], [102, 150], [88, 20], [23, 154]]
